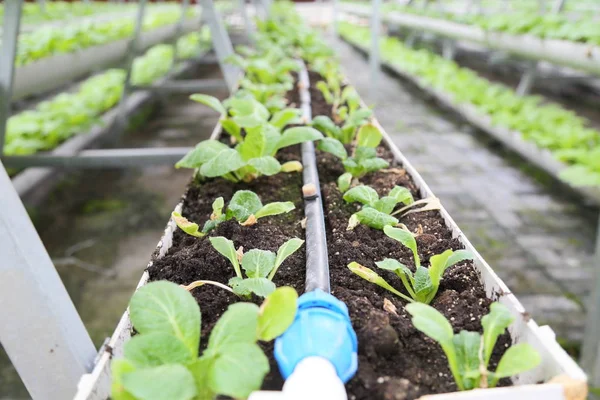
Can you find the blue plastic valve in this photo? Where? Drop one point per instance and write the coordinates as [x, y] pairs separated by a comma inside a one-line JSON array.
[[321, 328]]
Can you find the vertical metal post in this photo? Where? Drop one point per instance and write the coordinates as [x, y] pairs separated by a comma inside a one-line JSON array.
[[40, 330], [10, 37], [132, 52], [590, 350], [527, 79], [245, 17], [179, 29], [334, 16], [375, 33], [558, 6], [221, 42], [448, 49]]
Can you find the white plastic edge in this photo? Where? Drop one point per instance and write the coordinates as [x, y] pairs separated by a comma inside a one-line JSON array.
[[581, 56], [555, 361], [52, 72]]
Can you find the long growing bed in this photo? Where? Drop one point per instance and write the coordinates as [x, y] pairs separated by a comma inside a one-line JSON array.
[[395, 359]]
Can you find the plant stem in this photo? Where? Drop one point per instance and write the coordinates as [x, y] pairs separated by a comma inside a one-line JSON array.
[[196, 284]]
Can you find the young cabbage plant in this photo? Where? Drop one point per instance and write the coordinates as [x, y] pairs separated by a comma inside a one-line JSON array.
[[469, 353], [364, 158], [260, 266], [250, 159], [162, 361], [245, 112], [423, 284], [245, 207], [376, 212]]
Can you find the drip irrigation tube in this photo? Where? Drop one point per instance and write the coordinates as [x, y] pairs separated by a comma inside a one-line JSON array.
[[317, 264]]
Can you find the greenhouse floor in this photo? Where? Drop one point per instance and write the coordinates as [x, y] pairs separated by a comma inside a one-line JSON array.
[[100, 227], [538, 239]]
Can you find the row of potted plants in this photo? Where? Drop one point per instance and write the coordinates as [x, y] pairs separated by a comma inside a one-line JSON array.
[[50, 40], [549, 126], [71, 113], [424, 321]]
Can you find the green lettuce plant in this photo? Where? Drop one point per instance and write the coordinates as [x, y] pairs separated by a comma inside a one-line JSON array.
[[423, 284], [161, 361], [362, 160], [260, 266], [376, 212], [245, 207], [245, 112], [251, 158], [469, 353]]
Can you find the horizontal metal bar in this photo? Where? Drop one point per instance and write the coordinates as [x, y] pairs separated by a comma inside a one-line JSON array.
[[101, 158], [185, 86]]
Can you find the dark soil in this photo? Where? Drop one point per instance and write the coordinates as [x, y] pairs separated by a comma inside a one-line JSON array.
[[395, 360]]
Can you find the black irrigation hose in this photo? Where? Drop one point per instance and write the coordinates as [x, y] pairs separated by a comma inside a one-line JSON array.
[[317, 264]]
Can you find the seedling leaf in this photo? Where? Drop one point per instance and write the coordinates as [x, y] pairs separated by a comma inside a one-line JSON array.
[[238, 370], [243, 204], [344, 182], [170, 381], [277, 313], [259, 286], [362, 194], [299, 134], [179, 313], [406, 238], [154, 349], [431, 322], [202, 153], [334, 147], [266, 165], [517, 358], [258, 263], [226, 248], [209, 101], [284, 251], [368, 136], [224, 162], [371, 276], [185, 225], [237, 325], [373, 218], [275, 208], [494, 324]]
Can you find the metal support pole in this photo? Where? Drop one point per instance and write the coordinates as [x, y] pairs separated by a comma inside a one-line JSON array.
[[527, 80], [246, 18], [374, 63], [133, 49], [178, 30], [102, 158], [221, 43], [40, 330], [590, 350], [10, 36], [558, 6], [334, 17], [448, 49]]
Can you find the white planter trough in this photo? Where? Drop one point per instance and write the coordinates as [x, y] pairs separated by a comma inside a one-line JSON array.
[[541, 158], [581, 56], [52, 72], [31, 178], [555, 361]]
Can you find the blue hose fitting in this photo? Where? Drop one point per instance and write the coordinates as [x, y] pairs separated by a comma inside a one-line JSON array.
[[321, 328]]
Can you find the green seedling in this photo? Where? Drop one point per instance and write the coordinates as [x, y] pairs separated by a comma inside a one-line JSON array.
[[376, 212], [243, 112], [252, 158], [423, 284], [260, 266], [245, 207], [162, 361], [364, 158], [469, 353]]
